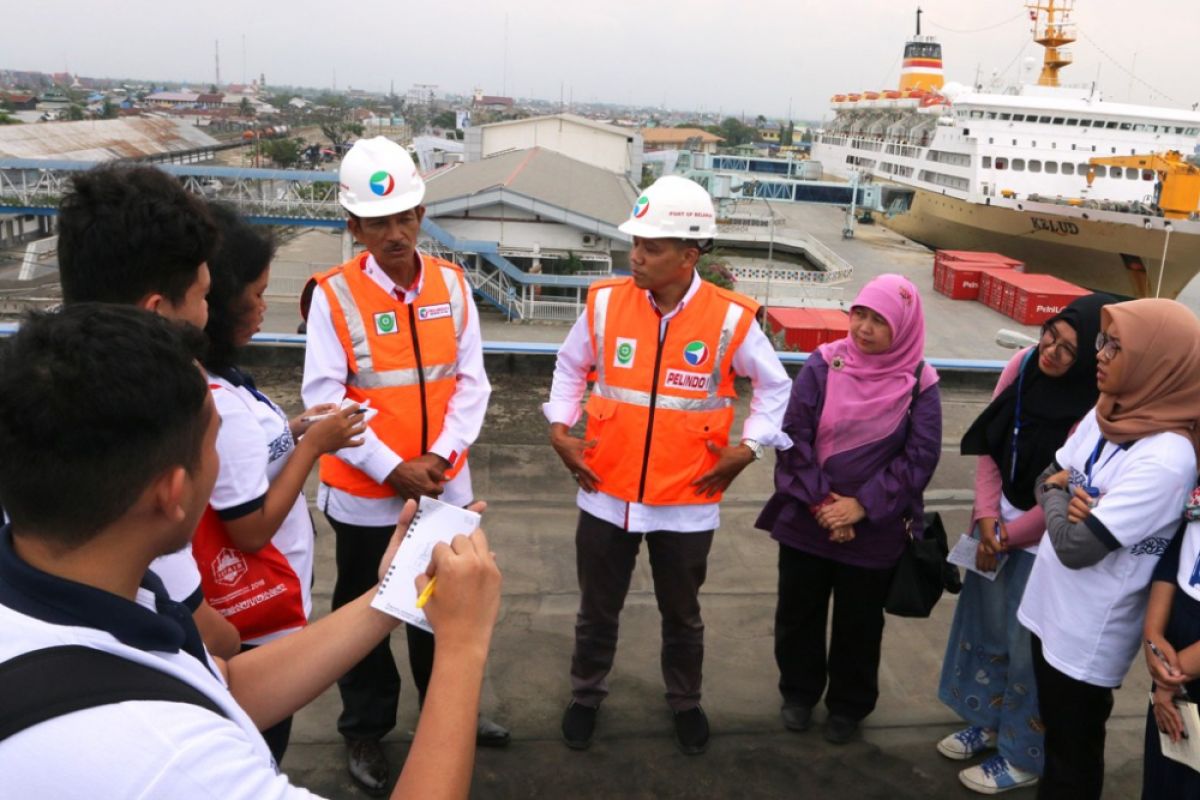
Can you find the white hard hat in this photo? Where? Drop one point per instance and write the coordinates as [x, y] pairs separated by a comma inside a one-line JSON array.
[[378, 179], [672, 208]]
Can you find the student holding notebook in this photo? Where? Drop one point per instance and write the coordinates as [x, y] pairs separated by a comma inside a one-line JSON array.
[[1172, 647], [1111, 502]]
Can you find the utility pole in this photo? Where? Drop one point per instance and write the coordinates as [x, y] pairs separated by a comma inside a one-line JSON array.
[[217, 57]]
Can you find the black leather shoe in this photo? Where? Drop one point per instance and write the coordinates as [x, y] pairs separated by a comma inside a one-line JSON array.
[[578, 725], [490, 734], [368, 765], [796, 718], [691, 731], [839, 729]]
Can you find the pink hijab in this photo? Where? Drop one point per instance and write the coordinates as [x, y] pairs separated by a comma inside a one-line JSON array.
[[867, 397]]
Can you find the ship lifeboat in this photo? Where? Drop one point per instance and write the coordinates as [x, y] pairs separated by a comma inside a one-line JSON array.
[[838, 98], [853, 97], [891, 94], [932, 99], [870, 95]]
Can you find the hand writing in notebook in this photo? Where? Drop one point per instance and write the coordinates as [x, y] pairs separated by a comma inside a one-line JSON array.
[[464, 608]]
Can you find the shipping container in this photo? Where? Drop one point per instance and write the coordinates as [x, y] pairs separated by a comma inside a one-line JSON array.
[[806, 329]]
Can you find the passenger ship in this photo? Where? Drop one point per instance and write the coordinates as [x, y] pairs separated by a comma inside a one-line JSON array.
[[1044, 173]]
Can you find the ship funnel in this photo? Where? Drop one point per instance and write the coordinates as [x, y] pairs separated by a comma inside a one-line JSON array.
[[922, 68]]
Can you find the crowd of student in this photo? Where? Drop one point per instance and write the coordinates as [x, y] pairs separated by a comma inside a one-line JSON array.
[[170, 598]]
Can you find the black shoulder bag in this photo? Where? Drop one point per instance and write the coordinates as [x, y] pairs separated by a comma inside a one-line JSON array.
[[920, 575]]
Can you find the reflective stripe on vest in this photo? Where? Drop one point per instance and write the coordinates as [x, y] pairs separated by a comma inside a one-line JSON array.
[[639, 398], [365, 375]]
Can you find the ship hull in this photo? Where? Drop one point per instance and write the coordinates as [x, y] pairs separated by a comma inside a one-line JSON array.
[[1102, 255]]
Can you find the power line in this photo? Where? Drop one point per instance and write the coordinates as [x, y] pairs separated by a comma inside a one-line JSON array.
[[976, 30], [1127, 71]]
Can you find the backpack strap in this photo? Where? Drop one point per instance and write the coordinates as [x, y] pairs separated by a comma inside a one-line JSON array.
[[916, 386], [44, 684]]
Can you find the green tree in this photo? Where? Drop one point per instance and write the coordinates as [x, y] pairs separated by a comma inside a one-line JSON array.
[[788, 135], [74, 112], [5, 119], [245, 109], [647, 177], [714, 269], [109, 110], [734, 132], [444, 119], [284, 152]]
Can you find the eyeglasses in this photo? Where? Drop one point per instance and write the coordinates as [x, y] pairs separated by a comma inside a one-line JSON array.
[[1107, 346], [1053, 343]]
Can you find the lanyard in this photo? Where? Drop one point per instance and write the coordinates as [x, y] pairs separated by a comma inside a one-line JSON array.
[[1012, 467], [1091, 462]]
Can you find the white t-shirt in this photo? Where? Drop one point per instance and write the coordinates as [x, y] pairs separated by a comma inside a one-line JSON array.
[[254, 444], [1188, 576], [180, 575], [144, 749], [1090, 619]]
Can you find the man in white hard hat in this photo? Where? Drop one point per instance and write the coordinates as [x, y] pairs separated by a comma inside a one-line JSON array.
[[664, 347], [396, 329]]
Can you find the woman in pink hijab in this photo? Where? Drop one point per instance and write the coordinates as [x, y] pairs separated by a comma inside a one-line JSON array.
[[866, 419]]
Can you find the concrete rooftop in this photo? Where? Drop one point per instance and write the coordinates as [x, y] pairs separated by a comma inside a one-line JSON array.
[[531, 522]]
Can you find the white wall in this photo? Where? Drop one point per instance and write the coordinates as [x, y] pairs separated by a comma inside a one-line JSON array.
[[525, 234], [608, 150]]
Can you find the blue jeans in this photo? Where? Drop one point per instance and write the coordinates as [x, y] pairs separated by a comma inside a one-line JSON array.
[[987, 672]]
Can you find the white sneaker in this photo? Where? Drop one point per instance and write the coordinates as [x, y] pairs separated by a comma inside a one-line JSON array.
[[967, 743], [996, 775]]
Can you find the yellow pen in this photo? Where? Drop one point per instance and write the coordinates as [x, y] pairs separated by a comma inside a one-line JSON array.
[[426, 593]]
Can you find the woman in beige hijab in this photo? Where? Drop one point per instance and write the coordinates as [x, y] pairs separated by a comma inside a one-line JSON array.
[[1113, 501]]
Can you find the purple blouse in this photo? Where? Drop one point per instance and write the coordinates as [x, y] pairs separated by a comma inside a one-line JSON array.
[[887, 477]]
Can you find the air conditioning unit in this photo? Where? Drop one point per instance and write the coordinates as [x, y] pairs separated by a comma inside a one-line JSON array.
[[591, 239]]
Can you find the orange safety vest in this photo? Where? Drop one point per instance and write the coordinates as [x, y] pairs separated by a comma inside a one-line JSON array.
[[403, 357], [656, 403]]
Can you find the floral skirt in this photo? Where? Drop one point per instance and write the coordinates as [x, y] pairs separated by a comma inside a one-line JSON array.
[[987, 672]]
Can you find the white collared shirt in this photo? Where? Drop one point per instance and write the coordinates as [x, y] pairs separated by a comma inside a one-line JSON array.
[[754, 359], [325, 375]]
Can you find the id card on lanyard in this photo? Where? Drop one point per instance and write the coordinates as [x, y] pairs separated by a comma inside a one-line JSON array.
[[1089, 487]]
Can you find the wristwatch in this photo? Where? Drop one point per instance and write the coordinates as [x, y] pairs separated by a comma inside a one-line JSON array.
[[1051, 487], [755, 448]]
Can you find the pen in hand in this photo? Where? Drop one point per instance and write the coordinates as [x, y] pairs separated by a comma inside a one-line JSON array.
[[426, 593]]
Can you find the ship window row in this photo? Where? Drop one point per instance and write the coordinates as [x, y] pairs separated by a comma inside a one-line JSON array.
[[1067, 168], [942, 179], [1076, 122], [944, 157], [896, 169], [922, 50]]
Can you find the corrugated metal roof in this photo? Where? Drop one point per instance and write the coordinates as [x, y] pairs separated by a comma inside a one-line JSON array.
[[101, 140], [670, 135], [543, 175], [574, 118]]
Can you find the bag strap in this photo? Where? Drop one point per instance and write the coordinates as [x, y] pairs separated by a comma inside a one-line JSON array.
[[44, 684], [916, 387]]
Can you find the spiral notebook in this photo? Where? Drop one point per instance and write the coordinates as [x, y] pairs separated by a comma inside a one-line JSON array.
[[434, 522]]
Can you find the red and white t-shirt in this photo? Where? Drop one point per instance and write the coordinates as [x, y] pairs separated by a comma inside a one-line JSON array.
[[254, 444]]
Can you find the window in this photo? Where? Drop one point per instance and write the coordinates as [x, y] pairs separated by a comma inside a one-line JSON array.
[[1001, 163], [1083, 168], [1068, 168], [976, 115], [1005, 117], [1035, 165], [1072, 146], [1085, 123], [1018, 117], [1072, 122], [987, 162], [991, 115], [1101, 170], [1044, 120], [991, 140], [1139, 127], [1125, 126], [1147, 174], [1131, 174], [1052, 167], [1110, 125], [1033, 143], [1018, 165], [1014, 142], [1058, 120]]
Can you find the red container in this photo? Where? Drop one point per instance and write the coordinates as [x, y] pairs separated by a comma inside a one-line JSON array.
[[939, 276], [990, 287], [962, 280], [1043, 297], [808, 328], [973, 256]]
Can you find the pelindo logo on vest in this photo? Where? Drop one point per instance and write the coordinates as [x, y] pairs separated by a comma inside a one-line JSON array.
[[382, 183], [696, 353]]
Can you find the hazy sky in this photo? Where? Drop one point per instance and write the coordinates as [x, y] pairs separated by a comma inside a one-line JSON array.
[[754, 57]]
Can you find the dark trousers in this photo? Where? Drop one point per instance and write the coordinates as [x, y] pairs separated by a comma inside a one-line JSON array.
[[1074, 714], [604, 557], [371, 689], [806, 583]]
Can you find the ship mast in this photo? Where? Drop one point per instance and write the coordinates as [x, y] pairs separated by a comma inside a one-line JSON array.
[[1057, 32]]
